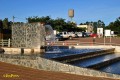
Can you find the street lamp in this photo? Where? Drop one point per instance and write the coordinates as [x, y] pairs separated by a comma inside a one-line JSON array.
[[104, 37]]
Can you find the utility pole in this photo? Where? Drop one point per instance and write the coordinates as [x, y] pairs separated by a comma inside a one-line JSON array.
[[13, 19]]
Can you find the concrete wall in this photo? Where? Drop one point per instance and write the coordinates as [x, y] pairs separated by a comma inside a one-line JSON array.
[[45, 64], [117, 48], [26, 51], [36, 50]]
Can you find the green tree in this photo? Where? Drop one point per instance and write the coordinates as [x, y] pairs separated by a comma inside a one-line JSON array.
[[39, 19], [1, 24], [114, 26], [58, 24], [5, 23]]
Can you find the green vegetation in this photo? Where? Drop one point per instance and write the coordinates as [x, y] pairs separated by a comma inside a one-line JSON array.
[[115, 26], [60, 24]]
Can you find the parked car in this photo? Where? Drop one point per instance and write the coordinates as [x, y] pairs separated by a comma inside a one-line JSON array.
[[71, 35], [93, 35], [59, 37], [87, 34], [67, 35], [78, 34], [64, 35]]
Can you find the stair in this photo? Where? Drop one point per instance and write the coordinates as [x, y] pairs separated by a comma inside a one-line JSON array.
[[97, 62], [83, 56]]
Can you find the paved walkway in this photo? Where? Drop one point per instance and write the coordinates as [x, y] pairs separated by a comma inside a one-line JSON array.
[[114, 40], [13, 72]]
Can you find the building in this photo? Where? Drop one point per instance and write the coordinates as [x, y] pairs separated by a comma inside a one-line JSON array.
[[89, 28]]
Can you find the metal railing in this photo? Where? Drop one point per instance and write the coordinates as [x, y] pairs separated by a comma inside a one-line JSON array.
[[77, 43], [7, 43]]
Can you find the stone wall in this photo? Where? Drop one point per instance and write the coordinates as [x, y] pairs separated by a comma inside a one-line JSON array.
[[45, 64], [28, 35]]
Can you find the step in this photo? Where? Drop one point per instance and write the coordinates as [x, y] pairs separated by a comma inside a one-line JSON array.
[[66, 52], [97, 62], [74, 57], [88, 57]]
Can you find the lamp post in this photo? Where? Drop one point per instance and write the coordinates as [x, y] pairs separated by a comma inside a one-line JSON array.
[[104, 37], [110, 37]]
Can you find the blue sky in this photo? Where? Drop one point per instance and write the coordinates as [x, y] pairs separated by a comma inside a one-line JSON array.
[[85, 10]]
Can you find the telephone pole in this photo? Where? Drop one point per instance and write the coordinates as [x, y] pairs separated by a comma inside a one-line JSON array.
[[13, 19]]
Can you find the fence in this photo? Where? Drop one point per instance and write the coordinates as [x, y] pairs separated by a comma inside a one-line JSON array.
[[6, 43], [77, 43]]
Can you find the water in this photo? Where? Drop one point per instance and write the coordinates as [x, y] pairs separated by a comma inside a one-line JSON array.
[[49, 33], [94, 60], [64, 51], [113, 68]]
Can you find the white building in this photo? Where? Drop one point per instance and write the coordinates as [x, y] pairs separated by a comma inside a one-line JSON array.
[[89, 28], [100, 32], [107, 33]]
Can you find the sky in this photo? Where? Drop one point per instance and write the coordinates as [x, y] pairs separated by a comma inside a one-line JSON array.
[[84, 10]]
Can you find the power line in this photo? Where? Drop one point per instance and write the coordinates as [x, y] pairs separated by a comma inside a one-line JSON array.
[[20, 18], [17, 18]]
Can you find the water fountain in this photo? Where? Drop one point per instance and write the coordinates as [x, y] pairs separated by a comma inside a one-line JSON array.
[[31, 38], [50, 39]]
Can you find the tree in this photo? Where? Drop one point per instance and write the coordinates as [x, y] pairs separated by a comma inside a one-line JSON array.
[[1, 28], [5, 23], [39, 19], [58, 24], [1, 24], [115, 26], [100, 24]]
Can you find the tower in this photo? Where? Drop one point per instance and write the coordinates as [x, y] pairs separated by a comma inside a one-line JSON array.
[[71, 13]]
